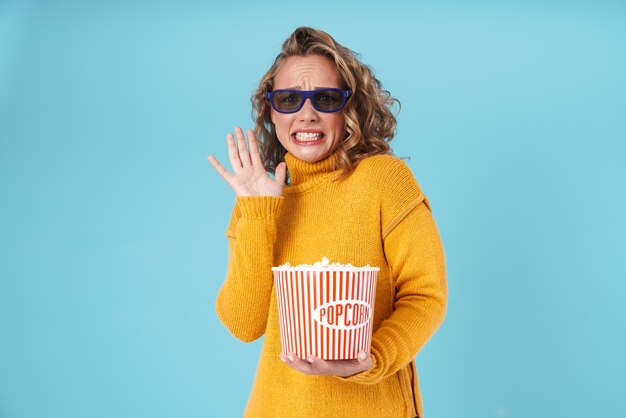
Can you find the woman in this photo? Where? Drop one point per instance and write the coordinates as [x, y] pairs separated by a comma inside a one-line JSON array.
[[324, 123]]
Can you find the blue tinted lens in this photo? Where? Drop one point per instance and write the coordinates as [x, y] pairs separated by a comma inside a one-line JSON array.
[[323, 100]]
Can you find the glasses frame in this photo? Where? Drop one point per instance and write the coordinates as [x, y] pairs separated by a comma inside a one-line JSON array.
[[309, 94]]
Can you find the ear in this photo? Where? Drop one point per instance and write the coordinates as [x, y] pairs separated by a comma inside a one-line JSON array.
[[272, 112]]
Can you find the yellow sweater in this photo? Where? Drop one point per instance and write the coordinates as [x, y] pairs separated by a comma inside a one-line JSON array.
[[377, 216]]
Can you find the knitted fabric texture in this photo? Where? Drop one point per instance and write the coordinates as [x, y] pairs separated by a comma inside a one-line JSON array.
[[377, 216]]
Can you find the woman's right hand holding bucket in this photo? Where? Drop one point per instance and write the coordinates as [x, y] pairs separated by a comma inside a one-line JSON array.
[[250, 177]]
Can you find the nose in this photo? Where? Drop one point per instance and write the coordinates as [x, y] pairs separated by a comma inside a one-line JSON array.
[[308, 113]]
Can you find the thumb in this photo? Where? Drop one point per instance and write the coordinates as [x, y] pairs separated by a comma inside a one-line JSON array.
[[281, 173], [365, 360]]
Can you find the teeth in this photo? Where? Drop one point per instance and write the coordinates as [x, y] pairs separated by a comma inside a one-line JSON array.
[[307, 136]]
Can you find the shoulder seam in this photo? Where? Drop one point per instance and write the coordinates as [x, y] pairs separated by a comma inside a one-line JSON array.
[[402, 214]]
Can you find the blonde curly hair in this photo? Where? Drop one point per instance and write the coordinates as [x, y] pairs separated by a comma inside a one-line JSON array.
[[370, 123]]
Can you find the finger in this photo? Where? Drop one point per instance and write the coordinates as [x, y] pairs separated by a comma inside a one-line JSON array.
[[244, 155], [300, 365], [226, 175], [337, 367], [254, 149], [232, 153], [280, 173], [318, 365], [365, 360]]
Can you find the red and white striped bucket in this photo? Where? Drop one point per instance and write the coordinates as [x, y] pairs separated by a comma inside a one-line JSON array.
[[325, 312]]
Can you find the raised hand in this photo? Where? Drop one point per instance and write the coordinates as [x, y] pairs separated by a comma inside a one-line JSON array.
[[316, 366], [250, 177]]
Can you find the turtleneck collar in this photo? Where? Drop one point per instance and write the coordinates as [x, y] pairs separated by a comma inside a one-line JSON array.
[[304, 175]]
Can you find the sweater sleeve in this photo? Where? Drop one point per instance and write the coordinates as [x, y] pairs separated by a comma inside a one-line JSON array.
[[243, 300], [415, 256]]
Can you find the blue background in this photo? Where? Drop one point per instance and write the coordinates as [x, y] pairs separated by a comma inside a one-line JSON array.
[[112, 245]]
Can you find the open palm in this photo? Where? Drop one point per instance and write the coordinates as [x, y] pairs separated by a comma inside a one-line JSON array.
[[250, 177]]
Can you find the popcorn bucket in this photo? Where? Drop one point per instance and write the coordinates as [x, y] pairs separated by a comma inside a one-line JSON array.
[[327, 312]]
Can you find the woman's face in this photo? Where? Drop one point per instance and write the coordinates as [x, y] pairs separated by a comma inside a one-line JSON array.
[[308, 135]]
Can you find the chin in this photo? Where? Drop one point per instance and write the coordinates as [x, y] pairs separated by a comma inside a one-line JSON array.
[[310, 158], [305, 158]]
